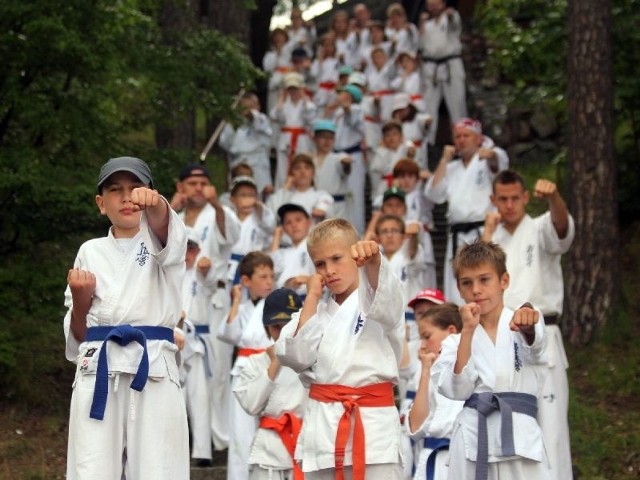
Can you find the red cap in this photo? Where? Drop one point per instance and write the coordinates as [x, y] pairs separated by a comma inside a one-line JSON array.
[[430, 294]]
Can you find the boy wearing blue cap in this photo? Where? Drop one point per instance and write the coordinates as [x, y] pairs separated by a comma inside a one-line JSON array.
[[275, 394], [111, 295], [332, 169]]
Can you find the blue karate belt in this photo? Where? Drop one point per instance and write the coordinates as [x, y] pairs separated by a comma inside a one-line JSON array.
[[122, 335], [339, 198], [410, 395], [204, 330], [435, 445], [236, 277], [409, 316], [353, 149], [505, 403]]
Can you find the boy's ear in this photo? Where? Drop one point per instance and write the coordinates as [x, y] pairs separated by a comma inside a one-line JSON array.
[[504, 281], [245, 280], [493, 199], [100, 204]]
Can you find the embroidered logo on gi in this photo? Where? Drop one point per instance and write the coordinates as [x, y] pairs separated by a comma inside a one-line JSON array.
[[84, 366], [403, 274], [359, 324], [90, 352], [194, 288], [480, 177], [205, 232], [142, 255], [303, 260], [518, 362], [529, 255], [254, 234], [551, 397]]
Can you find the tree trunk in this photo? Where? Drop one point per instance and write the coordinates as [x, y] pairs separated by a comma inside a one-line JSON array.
[[593, 263], [179, 131]]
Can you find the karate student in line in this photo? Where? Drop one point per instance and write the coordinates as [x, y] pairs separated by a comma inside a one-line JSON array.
[[346, 343], [273, 393], [243, 329], [196, 367], [123, 388], [497, 366], [432, 417]]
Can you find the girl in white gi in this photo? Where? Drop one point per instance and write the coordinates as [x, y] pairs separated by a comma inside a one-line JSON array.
[[432, 416], [250, 142], [415, 125], [392, 149], [292, 263], [332, 169], [380, 73], [277, 62], [258, 223], [274, 394], [377, 39], [300, 189], [196, 367], [408, 81], [346, 343], [293, 114], [114, 431], [244, 329], [349, 120], [497, 365], [324, 70]]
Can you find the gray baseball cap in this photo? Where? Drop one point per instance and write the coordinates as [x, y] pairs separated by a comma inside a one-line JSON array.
[[126, 164]]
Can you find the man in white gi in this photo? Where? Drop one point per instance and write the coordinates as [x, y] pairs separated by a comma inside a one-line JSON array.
[[443, 70], [218, 229], [127, 416], [463, 179], [534, 247]]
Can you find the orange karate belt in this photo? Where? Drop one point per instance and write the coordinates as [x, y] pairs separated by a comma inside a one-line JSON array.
[[282, 69], [295, 133], [389, 179], [382, 93], [327, 85], [247, 352], [416, 97], [288, 428], [352, 398]]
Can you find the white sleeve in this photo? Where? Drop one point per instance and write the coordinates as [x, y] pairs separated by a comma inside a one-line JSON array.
[[252, 385], [460, 386], [299, 352]]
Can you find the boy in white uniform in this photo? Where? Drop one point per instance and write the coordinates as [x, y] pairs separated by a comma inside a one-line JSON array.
[[196, 366], [347, 348], [293, 264], [465, 184], [243, 329], [218, 229], [293, 114], [274, 394], [497, 365], [111, 300], [534, 247], [251, 141], [258, 223]]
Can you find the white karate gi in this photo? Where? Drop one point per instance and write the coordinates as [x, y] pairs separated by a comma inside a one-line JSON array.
[[349, 136], [379, 85], [414, 131], [246, 331], [509, 365], [303, 37], [325, 73], [410, 84], [297, 115], [256, 233], [217, 247], [276, 65], [443, 70], [468, 192], [290, 262], [250, 143], [533, 263], [261, 396], [420, 209], [365, 54], [440, 423], [308, 199], [404, 39], [332, 178], [333, 347], [381, 168], [196, 368], [151, 426]]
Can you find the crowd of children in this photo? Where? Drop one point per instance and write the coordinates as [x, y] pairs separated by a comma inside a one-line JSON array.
[[314, 341]]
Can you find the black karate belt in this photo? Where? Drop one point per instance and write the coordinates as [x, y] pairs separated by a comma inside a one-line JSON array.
[[551, 319], [505, 403], [441, 60], [349, 150], [457, 228]]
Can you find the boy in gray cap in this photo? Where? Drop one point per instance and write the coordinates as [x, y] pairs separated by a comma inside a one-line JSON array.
[[125, 290]]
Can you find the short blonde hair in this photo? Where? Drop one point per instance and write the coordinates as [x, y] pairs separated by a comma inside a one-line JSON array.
[[477, 253], [396, 9], [330, 229]]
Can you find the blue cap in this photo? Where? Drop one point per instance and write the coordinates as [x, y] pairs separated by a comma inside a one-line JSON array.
[[345, 70], [324, 125], [354, 91], [279, 306]]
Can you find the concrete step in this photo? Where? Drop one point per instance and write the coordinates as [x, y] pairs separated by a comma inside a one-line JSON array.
[[209, 473]]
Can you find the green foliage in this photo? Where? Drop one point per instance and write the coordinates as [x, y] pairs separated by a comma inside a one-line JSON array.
[[81, 82], [527, 51]]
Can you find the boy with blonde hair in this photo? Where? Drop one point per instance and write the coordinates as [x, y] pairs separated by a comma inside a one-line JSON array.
[[497, 365], [346, 344]]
